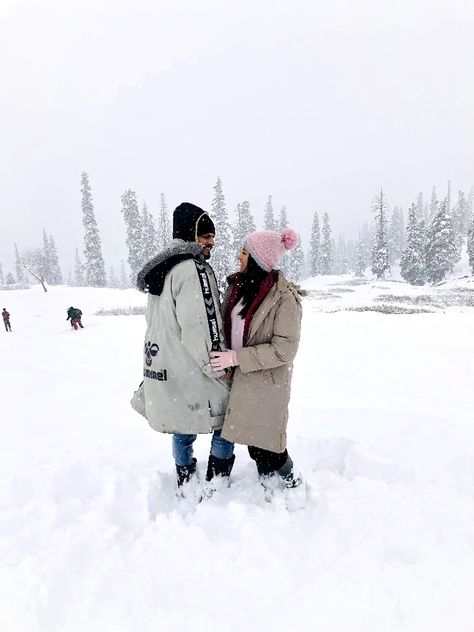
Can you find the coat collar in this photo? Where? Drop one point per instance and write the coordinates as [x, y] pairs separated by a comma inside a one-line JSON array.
[[273, 296], [177, 249]]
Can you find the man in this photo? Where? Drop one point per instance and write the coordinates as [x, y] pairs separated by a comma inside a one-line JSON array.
[[75, 314], [6, 319], [180, 394]]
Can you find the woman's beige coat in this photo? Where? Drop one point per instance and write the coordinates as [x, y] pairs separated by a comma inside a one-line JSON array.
[[257, 413]]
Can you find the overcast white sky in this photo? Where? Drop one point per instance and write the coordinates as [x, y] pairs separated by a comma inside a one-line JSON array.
[[318, 102]]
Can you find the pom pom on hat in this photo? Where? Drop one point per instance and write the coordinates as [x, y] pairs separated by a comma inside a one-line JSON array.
[[267, 247], [289, 238]]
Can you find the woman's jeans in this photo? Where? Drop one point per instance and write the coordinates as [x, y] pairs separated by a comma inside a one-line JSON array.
[[183, 447]]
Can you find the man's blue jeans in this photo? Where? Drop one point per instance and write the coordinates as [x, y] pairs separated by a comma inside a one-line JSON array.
[[183, 447]]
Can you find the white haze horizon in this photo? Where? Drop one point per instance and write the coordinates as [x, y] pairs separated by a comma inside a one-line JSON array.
[[319, 104]]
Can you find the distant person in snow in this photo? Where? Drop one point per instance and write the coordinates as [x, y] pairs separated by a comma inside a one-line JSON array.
[[75, 314], [180, 393], [262, 316], [6, 319]]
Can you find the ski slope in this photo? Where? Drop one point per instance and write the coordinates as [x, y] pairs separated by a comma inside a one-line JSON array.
[[381, 425]]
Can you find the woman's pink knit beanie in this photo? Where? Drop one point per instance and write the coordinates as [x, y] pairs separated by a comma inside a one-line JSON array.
[[267, 247]]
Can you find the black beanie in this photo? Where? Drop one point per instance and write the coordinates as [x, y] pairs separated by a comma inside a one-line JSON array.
[[190, 221]]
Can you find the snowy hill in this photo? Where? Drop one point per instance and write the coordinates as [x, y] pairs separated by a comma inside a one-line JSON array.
[[91, 534]]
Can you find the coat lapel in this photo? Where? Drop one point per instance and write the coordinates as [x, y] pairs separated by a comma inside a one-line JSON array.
[[268, 302]]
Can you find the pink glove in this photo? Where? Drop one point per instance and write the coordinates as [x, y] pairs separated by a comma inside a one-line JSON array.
[[221, 360]]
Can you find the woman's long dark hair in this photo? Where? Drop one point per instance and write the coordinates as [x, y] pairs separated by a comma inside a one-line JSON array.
[[249, 284]]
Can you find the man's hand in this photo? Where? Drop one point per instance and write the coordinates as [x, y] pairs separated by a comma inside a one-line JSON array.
[[221, 360]]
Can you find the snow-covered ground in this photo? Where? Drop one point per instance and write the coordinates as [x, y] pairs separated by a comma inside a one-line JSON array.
[[382, 427]]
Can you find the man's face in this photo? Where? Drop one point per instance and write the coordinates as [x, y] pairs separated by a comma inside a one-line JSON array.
[[207, 242]]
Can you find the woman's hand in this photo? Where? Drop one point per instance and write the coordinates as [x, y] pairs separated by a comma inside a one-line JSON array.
[[221, 360]]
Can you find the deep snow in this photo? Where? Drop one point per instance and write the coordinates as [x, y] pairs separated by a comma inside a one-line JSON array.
[[92, 537]]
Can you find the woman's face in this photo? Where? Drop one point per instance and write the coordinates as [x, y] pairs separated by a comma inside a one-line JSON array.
[[243, 260]]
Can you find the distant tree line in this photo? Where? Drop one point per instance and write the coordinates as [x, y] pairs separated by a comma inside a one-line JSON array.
[[426, 249]]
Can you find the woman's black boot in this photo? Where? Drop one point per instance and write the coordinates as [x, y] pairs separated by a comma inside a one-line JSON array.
[[295, 492], [290, 477]]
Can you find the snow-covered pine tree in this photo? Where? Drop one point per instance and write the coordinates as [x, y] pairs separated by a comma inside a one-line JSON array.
[[412, 263], [163, 231], [289, 261], [460, 215], [470, 244], [1, 274], [133, 223], [326, 247], [366, 239], [295, 264], [244, 225], [344, 249], [283, 219], [10, 280], [315, 247], [79, 280], [55, 274], [434, 204], [448, 199], [94, 268], [441, 249], [380, 259], [336, 266], [341, 250], [124, 278], [70, 278], [269, 222], [46, 258], [396, 236], [361, 259], [149, 240], [113, 281], [351, 255], [421, 207], [19, 269], [470, 205], [333, 255], [221, 255]]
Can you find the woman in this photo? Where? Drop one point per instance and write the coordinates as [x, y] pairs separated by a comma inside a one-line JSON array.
[[262, 313]]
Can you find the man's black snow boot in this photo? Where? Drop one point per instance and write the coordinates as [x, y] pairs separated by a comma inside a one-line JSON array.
[[185, 472], [290, 477], [219, 467]]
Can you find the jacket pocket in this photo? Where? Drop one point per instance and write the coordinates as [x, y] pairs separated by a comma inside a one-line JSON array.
[[138, 400]]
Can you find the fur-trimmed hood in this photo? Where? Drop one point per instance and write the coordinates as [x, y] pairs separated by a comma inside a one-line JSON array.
[[152, 276]]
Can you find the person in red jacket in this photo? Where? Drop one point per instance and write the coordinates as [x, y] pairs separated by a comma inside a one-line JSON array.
[[6, 319], [75, 314]]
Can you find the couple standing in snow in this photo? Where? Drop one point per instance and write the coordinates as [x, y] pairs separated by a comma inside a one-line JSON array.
[[228, 375]]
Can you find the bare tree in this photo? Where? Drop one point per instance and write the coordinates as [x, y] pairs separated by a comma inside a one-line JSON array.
[[34, 264]]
